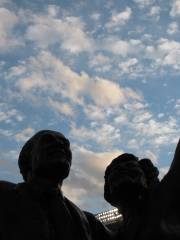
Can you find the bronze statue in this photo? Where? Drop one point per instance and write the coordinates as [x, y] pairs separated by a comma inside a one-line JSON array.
[[36, 209], [150, 208]]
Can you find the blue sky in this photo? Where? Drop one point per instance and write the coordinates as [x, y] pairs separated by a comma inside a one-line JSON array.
[[104, 73]]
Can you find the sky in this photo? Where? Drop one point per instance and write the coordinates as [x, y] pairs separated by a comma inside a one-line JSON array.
[[104, 73]]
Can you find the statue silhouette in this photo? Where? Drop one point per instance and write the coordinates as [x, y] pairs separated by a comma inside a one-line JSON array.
[[37, 209], [150, 208]]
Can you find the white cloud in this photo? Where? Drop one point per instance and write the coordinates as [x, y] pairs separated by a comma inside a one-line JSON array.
[[119, 19], [164, 52], [95, 16], [127, 67], [173, 28], [61, 107], [69, 32], [107, 93], [8, 20], [163, 171], [175, 10], [9, 115], [24, 135], [88, 173], [122, 118], [105, 134], [177, 106], [156, 132], [94, 112], [99, 59], [155, 12], [143, 3], [48, 73], [5, 133], [149, 154], [122, 47]]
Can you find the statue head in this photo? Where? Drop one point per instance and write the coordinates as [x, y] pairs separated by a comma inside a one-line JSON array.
[[125, 180], [46, 155], [151, 172]]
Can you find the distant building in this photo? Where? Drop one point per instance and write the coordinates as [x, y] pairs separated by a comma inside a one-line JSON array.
[[112, 219]]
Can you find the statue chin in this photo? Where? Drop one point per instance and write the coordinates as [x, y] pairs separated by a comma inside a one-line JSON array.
[[124, 192], [54, 173]]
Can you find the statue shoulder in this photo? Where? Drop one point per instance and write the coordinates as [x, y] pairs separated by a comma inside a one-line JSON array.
[[6, 186], [99, 230]]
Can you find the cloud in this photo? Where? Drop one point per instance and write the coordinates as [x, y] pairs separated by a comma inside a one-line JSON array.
[[47, 73], [143, 3], [61, 107], [165, 52], [94, 112], [175, 9], [95, 16], [104, 134], [88, 173], [156, 132], [107, 93], [68, 32], [9, 114], [8, 21], [24, 135], [122, 47], [128, 66], [119, 19], [99, 59], [163, 171], [173, 28], [155, 12]]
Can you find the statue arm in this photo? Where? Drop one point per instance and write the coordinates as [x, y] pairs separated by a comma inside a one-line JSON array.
[[173, 175], [98, 229]]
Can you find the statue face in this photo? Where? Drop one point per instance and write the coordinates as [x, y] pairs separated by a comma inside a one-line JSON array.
[[124, 182], [51, 157]]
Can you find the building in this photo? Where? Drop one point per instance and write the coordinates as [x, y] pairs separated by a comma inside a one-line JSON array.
[[112, 219]]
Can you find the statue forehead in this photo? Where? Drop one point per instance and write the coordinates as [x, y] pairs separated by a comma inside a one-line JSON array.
[[49, 133], [121, 159], [34, 140]]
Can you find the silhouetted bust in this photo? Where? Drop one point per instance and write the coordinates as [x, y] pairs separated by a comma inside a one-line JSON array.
[[150, 208], [36, 208]]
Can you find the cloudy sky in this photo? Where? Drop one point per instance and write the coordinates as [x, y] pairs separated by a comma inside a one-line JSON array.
[[104, 73]]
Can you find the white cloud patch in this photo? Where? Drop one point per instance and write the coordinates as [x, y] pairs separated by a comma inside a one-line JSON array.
[[163, 171], [88, 173], [99, 59], [122, 47], [143, 3], [119, 19], [173, 28], [48, 73], [24, 135], [165, 52], [69, 32], [8, 21], [175, 10], [127, 67], [9, 114], [157, 132], [61, 107], [155, 12], [104, 135], [94, 112]]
